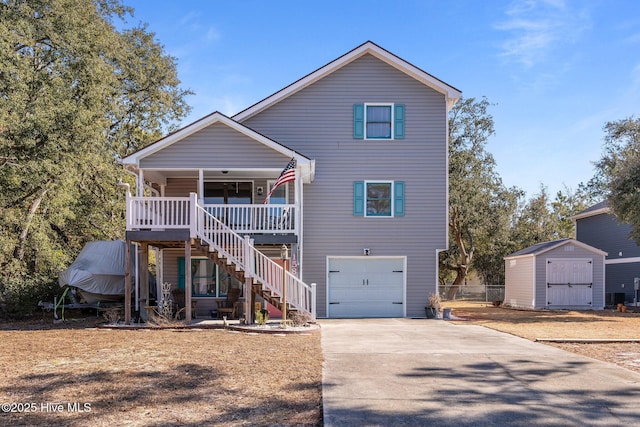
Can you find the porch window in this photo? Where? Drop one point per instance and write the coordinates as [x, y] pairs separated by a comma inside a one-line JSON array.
[[279, 195], [278, 217], [207, 279]]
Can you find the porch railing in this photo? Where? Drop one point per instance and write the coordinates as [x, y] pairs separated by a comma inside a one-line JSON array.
[[218, 226], [157, 213], [255, 218]]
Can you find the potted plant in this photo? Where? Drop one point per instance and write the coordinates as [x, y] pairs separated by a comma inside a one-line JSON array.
[[433, 306]]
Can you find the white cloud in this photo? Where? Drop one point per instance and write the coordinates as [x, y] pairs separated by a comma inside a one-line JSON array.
[[212, 35], [537, 27]]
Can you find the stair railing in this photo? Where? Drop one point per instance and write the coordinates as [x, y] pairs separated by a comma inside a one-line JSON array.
[[256, 265]]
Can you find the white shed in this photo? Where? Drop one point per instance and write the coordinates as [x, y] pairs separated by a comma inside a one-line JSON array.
[[561, 274]]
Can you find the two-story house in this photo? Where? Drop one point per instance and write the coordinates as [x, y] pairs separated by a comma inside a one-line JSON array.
[[363, 215], [597, 226]]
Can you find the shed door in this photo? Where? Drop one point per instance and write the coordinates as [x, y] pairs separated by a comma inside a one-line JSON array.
[[366, 287], [569, 282]]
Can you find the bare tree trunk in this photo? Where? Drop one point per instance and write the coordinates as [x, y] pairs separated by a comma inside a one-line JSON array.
[[19, 250], [457, 283], [462, 268]]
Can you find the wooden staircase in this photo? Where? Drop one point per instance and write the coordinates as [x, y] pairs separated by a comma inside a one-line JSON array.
[[230, 268]]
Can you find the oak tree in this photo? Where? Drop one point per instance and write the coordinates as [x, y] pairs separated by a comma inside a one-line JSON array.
[[76, 93]]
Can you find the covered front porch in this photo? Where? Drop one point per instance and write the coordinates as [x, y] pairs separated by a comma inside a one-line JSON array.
[[217, 189]]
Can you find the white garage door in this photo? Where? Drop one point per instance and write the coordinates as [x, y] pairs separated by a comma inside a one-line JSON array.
[[366, 287], [569, 282]]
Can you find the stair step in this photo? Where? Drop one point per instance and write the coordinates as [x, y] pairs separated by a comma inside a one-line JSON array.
[[233, 269]]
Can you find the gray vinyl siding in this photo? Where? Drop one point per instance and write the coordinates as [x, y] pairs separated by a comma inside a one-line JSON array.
[[619, 279], [576, 253], [215, 147], [606, 233], [318, 122], [519, 282]]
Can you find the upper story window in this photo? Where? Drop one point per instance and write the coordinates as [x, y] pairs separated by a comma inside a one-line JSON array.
[[378, 198], [378, 121]]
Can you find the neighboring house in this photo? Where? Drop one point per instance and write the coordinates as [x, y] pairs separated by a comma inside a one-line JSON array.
[[363, 220], [559, 274], [599, 227]]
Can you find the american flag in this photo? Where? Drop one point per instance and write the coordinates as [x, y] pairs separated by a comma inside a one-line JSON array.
[[288, 174]]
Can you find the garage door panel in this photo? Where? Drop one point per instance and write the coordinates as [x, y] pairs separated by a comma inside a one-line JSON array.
[[374, 309], [366, 287]]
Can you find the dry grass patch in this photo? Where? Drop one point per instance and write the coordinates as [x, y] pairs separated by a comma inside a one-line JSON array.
[[162, 377], [532, 324]]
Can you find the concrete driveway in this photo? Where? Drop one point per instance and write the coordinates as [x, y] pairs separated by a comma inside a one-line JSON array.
[[417, 372]]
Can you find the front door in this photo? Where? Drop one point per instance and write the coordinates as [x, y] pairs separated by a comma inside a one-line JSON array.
[[229, 193], [569, 282]]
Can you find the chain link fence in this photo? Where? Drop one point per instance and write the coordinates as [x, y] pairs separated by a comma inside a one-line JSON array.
[[478, 292], [494, 293]]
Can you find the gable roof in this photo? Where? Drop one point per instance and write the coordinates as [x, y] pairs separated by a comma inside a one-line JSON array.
[[307, 165], [597, 209], [543, 247], [452, 94]]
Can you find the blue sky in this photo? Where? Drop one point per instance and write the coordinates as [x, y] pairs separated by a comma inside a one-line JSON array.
[[556, 70]]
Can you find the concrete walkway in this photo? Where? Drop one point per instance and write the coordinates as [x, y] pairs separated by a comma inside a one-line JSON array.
[[417, 372]]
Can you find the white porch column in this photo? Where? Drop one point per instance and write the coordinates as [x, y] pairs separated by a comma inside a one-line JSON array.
[[159, 273], [127, 283], [140, 184], [187, 281], [299, 223], [143, 268], [201, 185]]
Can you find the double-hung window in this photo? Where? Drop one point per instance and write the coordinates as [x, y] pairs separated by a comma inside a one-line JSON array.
[[378, 121], [378, 198]]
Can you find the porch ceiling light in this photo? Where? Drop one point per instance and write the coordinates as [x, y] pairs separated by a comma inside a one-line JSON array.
[[284, 252]]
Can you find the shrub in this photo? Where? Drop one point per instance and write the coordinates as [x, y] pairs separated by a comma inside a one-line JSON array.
[[299, 319], [19, 297], [262, 317], [434, 301]]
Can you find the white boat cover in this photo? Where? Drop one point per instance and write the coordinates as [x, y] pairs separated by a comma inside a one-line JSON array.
[[99, 268]]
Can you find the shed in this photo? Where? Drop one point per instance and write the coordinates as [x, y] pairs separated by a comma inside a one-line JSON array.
[[561, 274]]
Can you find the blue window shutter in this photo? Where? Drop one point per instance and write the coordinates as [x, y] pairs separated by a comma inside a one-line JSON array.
[[358, 198], [398, 121], [358, 121], [398, 198], [181, 273]]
